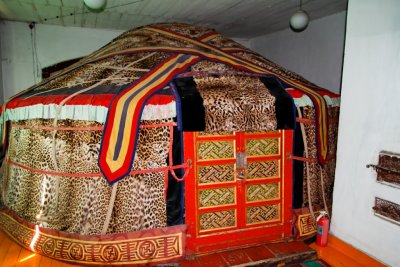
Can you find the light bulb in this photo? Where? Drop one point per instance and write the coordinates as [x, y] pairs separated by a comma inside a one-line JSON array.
[[299, 21]]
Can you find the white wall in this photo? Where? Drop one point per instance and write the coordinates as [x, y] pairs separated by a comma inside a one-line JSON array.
[[53, 43], [1, 75], [315, 53], [369, 122]]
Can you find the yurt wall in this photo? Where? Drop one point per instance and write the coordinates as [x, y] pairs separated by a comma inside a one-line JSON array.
[[316, 53], [369, 123], [53, 44]]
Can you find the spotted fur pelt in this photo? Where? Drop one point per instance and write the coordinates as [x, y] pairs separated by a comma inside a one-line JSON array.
[[234, 103], [79, 204], [320, 179]]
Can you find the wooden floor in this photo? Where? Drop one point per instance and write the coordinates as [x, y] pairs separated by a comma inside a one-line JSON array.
[[337, 253], [12, 254]]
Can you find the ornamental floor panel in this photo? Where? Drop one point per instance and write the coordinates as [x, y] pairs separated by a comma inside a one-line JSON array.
[[278, 254]]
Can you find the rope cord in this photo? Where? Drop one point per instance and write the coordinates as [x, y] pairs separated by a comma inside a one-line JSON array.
[[303, 133], [110, 208], [5, 181], [323, 173], [171, 139]]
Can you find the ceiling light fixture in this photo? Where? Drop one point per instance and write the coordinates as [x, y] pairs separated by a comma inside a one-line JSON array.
[[299, 20], [95, 5]]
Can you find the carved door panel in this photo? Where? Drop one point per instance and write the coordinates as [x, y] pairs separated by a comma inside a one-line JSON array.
[[228, 204]]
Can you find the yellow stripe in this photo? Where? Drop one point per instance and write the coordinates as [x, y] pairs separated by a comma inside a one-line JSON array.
[[117, 164], [210, 37], [201, 44]]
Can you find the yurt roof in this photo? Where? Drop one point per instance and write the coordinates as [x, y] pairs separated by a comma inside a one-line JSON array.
[[117, 81]]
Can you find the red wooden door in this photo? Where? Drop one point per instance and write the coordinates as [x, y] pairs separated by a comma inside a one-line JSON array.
[[222, 208]]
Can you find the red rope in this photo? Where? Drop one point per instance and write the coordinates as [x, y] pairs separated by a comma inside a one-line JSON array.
[[162, 169], [311, 121], [170, 162], [170, 168], [311, 160], [305, 121], [171, 139]]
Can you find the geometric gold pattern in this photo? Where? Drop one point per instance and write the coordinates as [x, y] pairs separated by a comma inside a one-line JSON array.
[[217, 220], [204, 134], [262, 169], [261, 214], [217, 197], [306, 225], [148, 247], [262, 192], [262, 147], [216, 173], [208, 150]]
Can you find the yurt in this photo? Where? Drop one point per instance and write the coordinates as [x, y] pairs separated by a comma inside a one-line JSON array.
[[171, 141]]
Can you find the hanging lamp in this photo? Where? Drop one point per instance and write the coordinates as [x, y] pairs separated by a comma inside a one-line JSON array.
[[95, 5], [299, 20]]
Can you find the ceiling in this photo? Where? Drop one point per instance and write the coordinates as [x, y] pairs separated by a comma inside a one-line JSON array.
[[234, 18]]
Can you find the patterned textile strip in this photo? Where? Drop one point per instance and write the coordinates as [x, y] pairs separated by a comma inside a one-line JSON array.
[[120, 134], [304, 223], [152, 246], [317, 99], [119, 137], [85, 112]]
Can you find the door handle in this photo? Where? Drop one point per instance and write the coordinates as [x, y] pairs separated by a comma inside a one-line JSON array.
[[241, 175], [241, 164]]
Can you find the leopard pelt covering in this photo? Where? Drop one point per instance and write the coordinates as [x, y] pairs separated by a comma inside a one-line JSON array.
[[328, 170], [105, 62], [140, 202], [110, 68], [234, 103], [80, 204]]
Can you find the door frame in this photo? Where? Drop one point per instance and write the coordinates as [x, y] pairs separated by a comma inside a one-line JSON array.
[[236, 237]]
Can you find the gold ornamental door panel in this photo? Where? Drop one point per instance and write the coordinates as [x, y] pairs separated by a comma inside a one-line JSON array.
[[236, 189]]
